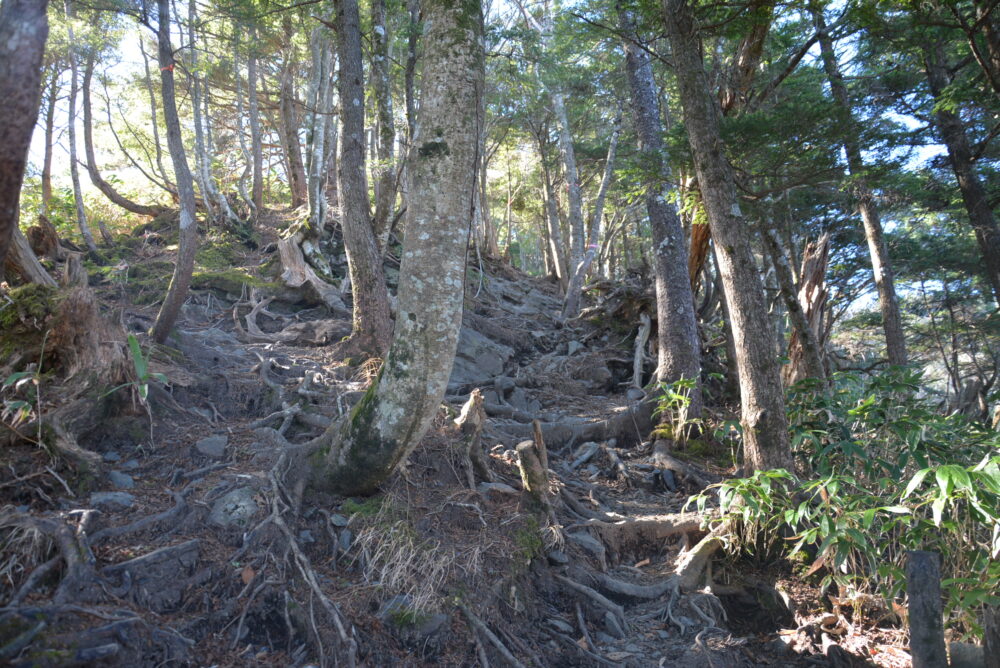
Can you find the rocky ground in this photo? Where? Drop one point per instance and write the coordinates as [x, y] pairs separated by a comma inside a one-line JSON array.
[[186, 550]]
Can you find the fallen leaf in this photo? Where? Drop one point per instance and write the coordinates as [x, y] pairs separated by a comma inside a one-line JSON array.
[[248, 574]]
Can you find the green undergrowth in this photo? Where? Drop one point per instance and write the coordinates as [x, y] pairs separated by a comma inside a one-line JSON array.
[[880, 471]]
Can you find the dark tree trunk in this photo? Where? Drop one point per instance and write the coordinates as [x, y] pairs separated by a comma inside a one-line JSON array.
[[392, 418], [256, 142], [765, 427], [290, 125], [892, 323], [50, 122], [88, 145], [188, 238], [385, 131], [974, 196], [372, 327], [677, 332], [24, 28]]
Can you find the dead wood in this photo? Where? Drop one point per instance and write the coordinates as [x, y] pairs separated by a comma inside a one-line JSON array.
[[298, 274], [626, 428], [691, 565], [534, 477], [662, 459], [632, 593], [470, 422], [21, 260], [642, 530]]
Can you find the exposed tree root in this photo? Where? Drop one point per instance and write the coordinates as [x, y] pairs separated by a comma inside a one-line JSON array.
[[595, 597], [691, 565], [479, 626]]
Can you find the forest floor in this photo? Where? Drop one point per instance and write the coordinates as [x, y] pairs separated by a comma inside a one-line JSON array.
[[184, 550]]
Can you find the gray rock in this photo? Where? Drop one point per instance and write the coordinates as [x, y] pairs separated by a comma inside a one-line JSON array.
[[111, 456], [131, 465], [433, 624], [604, 638], [478, 360], [497, 489], [234, 509], [112, 500], [395, 607], [213, 447], [306, 536], [560, 625], [557, 558], [346, 538], [612, 626], [573, 348], [121, 480], [591, 545], [664, 635], [338, 520], [635, 649]]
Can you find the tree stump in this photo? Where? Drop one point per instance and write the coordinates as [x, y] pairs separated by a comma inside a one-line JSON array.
[[923, 588]]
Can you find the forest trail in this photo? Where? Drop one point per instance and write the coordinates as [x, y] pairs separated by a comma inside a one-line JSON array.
[[197, 556]]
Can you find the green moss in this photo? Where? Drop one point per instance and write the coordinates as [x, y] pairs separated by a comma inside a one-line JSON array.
[[366, 508], [529, 540], [30, 305], [216, 256], [404, 617], [433, 149], [228, 280]]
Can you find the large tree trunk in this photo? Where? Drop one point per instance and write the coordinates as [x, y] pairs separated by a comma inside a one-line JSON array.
[[765, 427], [395, 413], [892, 323], [188, 238], [256, 145], [960, 155], [571, 305], [74, 170], [106, 188], [678, 343], [24, 28], [372, 328]]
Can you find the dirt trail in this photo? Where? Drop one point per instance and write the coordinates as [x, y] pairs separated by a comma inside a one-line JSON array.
[[187, 552]]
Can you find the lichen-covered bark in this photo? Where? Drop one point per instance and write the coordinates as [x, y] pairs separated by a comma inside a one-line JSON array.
[[24, 28], [363, 450], [678, 343], [372, 325], [765, 427]]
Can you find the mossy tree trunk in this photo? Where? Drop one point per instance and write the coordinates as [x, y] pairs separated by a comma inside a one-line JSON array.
[[24, 28], [363, 450], [188, 239]]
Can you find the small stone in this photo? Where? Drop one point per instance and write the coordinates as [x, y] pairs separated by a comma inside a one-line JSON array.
[[305, 536], [234, 509], [560, 625], [131, 465], [346, 538], [432, 625], [557, 558], [112, 500], [635, 649], [338, 520], [395, 607], [604, 638], [573, 348], [121, 480], [495, 488], [662, 634], [213, 447], [612, 626], [111, 456]]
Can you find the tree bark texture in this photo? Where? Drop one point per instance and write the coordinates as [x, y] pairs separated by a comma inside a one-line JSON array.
[[892, 323], [372, 324], [290, 126], [923, 589], [395, 413], [74, 170], [765, 427], [974, 195], [385, 130], [678, 343], [256, 142], [24, 27], [180, 281], [52, 93]]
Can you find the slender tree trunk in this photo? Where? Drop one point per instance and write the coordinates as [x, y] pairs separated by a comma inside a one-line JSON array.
[[372, 327], [256, 147], [385, 131], [188, 238], [50, 122], [394, 415], [319, 83], [571, 305], [154, 123], [220, 197], [81, 215], [247, 158], [765, 427], [977, 203], [106, 188], [678, 343], [892, 323], [290, 123], [574, 194], [24, 27]]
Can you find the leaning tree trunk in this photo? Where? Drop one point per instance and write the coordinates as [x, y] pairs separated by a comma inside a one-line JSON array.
[[188, 239], [765, 427], [678, 343], [106, 188], [974, 195], [74, 171], [571, 305], [24, 26], [892, 323], [372, 326], [394, 415]]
